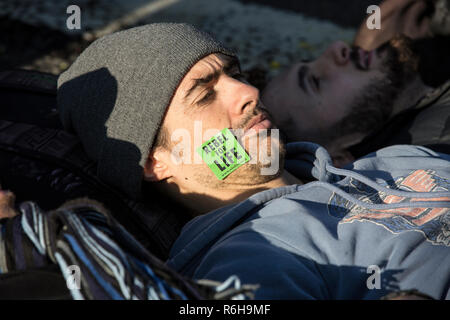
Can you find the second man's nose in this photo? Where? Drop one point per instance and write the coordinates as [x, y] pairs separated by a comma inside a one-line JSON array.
[[340, 52]]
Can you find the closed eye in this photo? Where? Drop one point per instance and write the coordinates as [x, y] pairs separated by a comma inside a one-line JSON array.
[[209, 96]]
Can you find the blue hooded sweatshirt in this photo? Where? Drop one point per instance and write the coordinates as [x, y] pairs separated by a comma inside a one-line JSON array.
[[380, 225]]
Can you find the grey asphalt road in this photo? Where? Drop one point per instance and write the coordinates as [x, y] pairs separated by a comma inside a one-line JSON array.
[[46, 49], [346, 13]]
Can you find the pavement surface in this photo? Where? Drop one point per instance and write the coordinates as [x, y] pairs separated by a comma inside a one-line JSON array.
[[268, 35], [345, 13]]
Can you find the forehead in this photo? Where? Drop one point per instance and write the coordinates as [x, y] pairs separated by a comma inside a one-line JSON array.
[[207, 65], [211, 62]]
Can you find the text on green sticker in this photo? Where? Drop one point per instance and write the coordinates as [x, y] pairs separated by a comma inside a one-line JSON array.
[[223, 154]]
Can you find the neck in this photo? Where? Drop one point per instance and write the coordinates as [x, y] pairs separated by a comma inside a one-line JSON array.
[[208, 200], [409, 97]]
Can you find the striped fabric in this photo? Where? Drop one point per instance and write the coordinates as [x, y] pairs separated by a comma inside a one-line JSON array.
[[85, 241]]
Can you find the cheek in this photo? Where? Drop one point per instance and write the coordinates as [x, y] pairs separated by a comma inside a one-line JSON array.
[[211, 124], [280, 113], [345, 84], [205, 118], [333, 108], [340, 94], [194, 130], [353, 83]]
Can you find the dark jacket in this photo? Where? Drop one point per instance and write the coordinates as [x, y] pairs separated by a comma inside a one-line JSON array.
[[426, 124]]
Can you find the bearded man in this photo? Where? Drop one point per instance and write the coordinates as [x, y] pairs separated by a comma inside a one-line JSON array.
[[354, 102]]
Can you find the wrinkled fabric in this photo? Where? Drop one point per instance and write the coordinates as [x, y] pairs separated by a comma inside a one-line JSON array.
[[96, 256], [387, 215]]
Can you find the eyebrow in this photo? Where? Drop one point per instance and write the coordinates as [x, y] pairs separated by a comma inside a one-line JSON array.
[[301, 77], [228, 64]]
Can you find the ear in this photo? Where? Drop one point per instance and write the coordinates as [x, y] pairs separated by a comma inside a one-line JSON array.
[[156, 168]]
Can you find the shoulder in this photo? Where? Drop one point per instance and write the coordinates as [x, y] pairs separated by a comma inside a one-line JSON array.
[[411, 151]]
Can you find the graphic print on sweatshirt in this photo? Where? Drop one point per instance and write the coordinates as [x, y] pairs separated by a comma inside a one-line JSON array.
[[434, 223]]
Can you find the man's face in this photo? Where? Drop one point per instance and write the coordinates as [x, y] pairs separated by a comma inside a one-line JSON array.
[[213, 96], [311, 97]]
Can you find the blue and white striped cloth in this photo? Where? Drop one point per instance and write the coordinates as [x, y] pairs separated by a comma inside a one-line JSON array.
[[97, 256]]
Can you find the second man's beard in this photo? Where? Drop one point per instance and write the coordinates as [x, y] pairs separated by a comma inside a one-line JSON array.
[[371, 109]]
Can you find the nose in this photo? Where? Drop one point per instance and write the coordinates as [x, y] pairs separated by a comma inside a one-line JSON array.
[[242, 98], [340, 53]]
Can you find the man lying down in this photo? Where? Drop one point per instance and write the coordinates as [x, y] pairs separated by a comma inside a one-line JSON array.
[[353, 102], [146, 101]]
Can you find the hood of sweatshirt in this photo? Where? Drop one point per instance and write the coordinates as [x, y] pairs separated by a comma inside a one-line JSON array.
[[312, 162]]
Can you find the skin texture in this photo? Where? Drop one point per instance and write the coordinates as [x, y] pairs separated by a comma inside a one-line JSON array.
[[224, 101], [332, 83], [340, 99]]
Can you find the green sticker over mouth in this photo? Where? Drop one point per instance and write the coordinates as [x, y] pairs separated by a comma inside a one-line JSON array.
[[223, 154]]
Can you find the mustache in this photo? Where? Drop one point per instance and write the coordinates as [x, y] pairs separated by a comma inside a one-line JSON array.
[[259, 110], [249, 116]]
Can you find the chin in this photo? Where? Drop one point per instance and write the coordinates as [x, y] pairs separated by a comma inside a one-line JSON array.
[[267, 152], [250, 174]]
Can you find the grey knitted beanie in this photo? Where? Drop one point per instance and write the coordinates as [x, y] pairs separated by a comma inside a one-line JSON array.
[[114, 96]]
